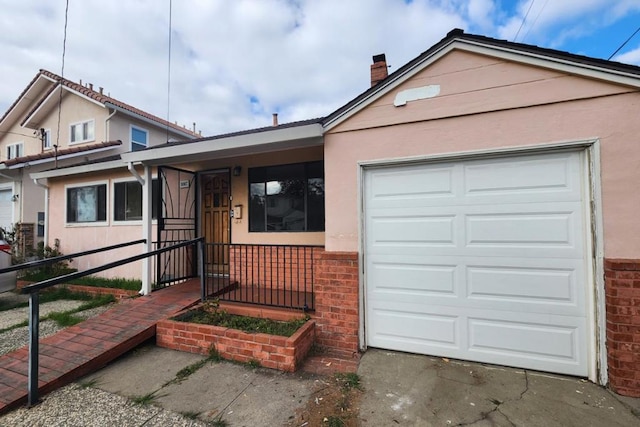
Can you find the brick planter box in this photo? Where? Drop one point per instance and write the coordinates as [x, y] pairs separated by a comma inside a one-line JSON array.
[[272, 351], [90, 290]]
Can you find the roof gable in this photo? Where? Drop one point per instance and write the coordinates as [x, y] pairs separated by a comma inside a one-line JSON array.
[[563, 63], [45, 88]]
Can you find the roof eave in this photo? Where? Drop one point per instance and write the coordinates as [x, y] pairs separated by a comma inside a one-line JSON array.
[[283, 138], [172, 130], [76, 170]]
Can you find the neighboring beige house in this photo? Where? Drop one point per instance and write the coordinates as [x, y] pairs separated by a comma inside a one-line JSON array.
[[55, 123], [479, 203]]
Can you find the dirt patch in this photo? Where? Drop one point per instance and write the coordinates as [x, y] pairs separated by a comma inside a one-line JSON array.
[[334, 403]]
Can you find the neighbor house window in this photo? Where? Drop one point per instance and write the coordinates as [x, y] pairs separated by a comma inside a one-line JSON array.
[[46, 139], [87, 204], [287, 197], [127, 199], [15, 150], [139, 139], [82, 132]]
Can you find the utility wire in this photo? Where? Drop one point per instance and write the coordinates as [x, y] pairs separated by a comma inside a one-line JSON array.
[[623, 44], [64, 51], [524, 19], [169, 72], [535, 20]]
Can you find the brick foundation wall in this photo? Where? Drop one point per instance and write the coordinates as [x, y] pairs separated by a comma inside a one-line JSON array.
[[622, 290], [336, 290]]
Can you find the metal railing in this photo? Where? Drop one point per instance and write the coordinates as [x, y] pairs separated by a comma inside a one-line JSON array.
[[34, 289], [271, 275], [174, 266]]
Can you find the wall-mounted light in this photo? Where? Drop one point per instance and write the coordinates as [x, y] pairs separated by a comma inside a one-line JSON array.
[[15, 197], [237, 170]]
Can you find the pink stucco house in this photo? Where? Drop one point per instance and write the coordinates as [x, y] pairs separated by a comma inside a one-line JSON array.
[[476, 204]]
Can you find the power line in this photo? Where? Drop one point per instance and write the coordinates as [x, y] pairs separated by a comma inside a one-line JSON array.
[[523, 20], [169, 72], [64, 51], [623, 44], [535, 20]]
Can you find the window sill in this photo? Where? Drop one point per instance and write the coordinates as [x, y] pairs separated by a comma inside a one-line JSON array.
[[86, 224]]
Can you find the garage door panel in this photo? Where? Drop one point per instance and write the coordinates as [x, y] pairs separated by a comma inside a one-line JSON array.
[[425, 230], [522, 177], [530, 285], [422, 329], [411, 184], [520, 229], [545, 286], [523, 339], [487, 262], [414, 278]]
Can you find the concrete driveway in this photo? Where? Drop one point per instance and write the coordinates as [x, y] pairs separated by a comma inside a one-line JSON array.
[[411, 390]]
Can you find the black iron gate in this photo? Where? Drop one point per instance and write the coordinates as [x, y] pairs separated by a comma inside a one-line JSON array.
[[176, 213]]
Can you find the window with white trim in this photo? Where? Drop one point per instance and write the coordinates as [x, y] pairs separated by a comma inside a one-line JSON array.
[[127, 200], [139, 138], [46, 142], [82, 132], [87, 203], [15, 150]]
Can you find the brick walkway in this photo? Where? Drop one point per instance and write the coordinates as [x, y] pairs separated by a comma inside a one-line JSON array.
[[88, 346]]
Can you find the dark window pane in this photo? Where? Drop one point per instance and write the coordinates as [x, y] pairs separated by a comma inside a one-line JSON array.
[[134, 201], [102, 202], [256, 207], [315, 204], [120, 198]]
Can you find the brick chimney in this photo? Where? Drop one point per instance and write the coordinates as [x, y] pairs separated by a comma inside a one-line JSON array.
[[378, 69]]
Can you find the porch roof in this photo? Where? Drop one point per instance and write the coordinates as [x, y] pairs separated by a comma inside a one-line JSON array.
[[274, 138]]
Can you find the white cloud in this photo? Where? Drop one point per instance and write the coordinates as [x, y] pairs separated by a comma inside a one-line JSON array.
[[235, 63], [631, 57]]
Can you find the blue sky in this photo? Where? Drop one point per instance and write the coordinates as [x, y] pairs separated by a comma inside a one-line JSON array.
[[234, 63]]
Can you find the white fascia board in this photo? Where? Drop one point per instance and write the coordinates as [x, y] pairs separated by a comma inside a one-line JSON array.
[[62, 157], [175, 152], [557, 64], [148, 120], [77, 170], [502, 52]]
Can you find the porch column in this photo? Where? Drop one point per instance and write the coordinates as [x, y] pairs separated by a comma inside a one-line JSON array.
[[147, 191]]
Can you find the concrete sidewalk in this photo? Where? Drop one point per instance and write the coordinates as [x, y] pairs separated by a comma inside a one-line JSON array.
[[233, 393]]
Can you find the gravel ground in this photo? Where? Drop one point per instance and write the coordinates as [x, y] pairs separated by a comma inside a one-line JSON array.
[[75, 405], [17, 315], [19, 337]]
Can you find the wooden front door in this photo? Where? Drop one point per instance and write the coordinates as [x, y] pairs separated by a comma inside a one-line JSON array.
[[215, 219]]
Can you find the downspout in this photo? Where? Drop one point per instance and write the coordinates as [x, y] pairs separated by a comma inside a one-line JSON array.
[[46, 210], [135, 173], [106, 125]]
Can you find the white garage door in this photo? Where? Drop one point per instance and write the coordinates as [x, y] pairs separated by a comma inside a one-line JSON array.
[[6, 208], [480, 260]]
